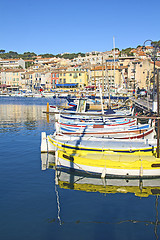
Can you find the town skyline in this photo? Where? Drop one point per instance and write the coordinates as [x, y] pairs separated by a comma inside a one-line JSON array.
[[75, 54]]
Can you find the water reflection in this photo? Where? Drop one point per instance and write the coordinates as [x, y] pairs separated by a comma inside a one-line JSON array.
[[140, 188], [71, 180], [14, 118], [47, 161]]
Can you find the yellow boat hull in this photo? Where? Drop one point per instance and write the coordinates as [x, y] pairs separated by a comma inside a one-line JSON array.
[[123, 165], [87, 150]]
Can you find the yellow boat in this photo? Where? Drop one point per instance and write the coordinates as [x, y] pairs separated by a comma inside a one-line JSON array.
[[109, 164]]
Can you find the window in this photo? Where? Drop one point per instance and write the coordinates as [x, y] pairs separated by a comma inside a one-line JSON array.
[[70, 74], [64, 80], [80, 74], [53, 75], [57, 75], [75, 75]]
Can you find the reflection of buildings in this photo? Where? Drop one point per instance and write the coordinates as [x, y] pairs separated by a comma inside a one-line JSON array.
[[13, 117], [21, 112]]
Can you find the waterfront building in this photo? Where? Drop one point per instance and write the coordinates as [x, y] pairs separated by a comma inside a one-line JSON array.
[[38, 79], [107, 74], [77, 78], [54, 78], [69, 77], [13, 77], [140, 73]]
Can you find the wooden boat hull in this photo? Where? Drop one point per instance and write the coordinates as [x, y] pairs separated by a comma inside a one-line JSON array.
[[124, 166], [117, 134], [125, 122], [99, 146]]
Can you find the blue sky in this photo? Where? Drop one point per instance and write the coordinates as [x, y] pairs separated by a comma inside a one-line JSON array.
[[51, 26]]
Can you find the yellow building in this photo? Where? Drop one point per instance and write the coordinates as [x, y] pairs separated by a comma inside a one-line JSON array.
[[140, 73], [106, 74], [72, 79]]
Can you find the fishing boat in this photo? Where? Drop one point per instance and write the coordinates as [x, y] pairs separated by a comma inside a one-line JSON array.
[[99, 145], [83, 107], [91, 124], [109, 165], [118, 132]]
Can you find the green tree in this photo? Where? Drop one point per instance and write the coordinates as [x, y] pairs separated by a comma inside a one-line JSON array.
[[2, 51]]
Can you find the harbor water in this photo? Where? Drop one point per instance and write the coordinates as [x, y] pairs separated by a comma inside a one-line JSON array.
[[38, 203]]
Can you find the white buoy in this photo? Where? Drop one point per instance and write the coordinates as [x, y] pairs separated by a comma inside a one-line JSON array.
[[44, 147]]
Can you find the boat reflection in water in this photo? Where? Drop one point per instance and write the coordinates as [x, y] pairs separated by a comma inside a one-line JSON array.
[[72, 180], [141, 188], [47, 161]]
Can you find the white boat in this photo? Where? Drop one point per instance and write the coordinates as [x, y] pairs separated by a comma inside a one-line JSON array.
[[102, 124], [81, 108], [119, 132], [96, 145]]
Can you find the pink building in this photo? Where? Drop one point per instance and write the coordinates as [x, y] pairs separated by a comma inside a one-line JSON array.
[[54, 79]]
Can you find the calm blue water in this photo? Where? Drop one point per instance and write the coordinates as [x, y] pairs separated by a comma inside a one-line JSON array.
[[32, 207]]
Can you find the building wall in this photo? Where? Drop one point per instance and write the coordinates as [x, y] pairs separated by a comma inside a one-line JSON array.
[[79, 77], [107, 75], [140, 73], [69, 77], [13, 78], [54, 79], [12, 63]]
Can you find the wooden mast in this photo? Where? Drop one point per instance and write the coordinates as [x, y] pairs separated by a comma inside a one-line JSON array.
[[102, 78], [114, 57], [158, 121]]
